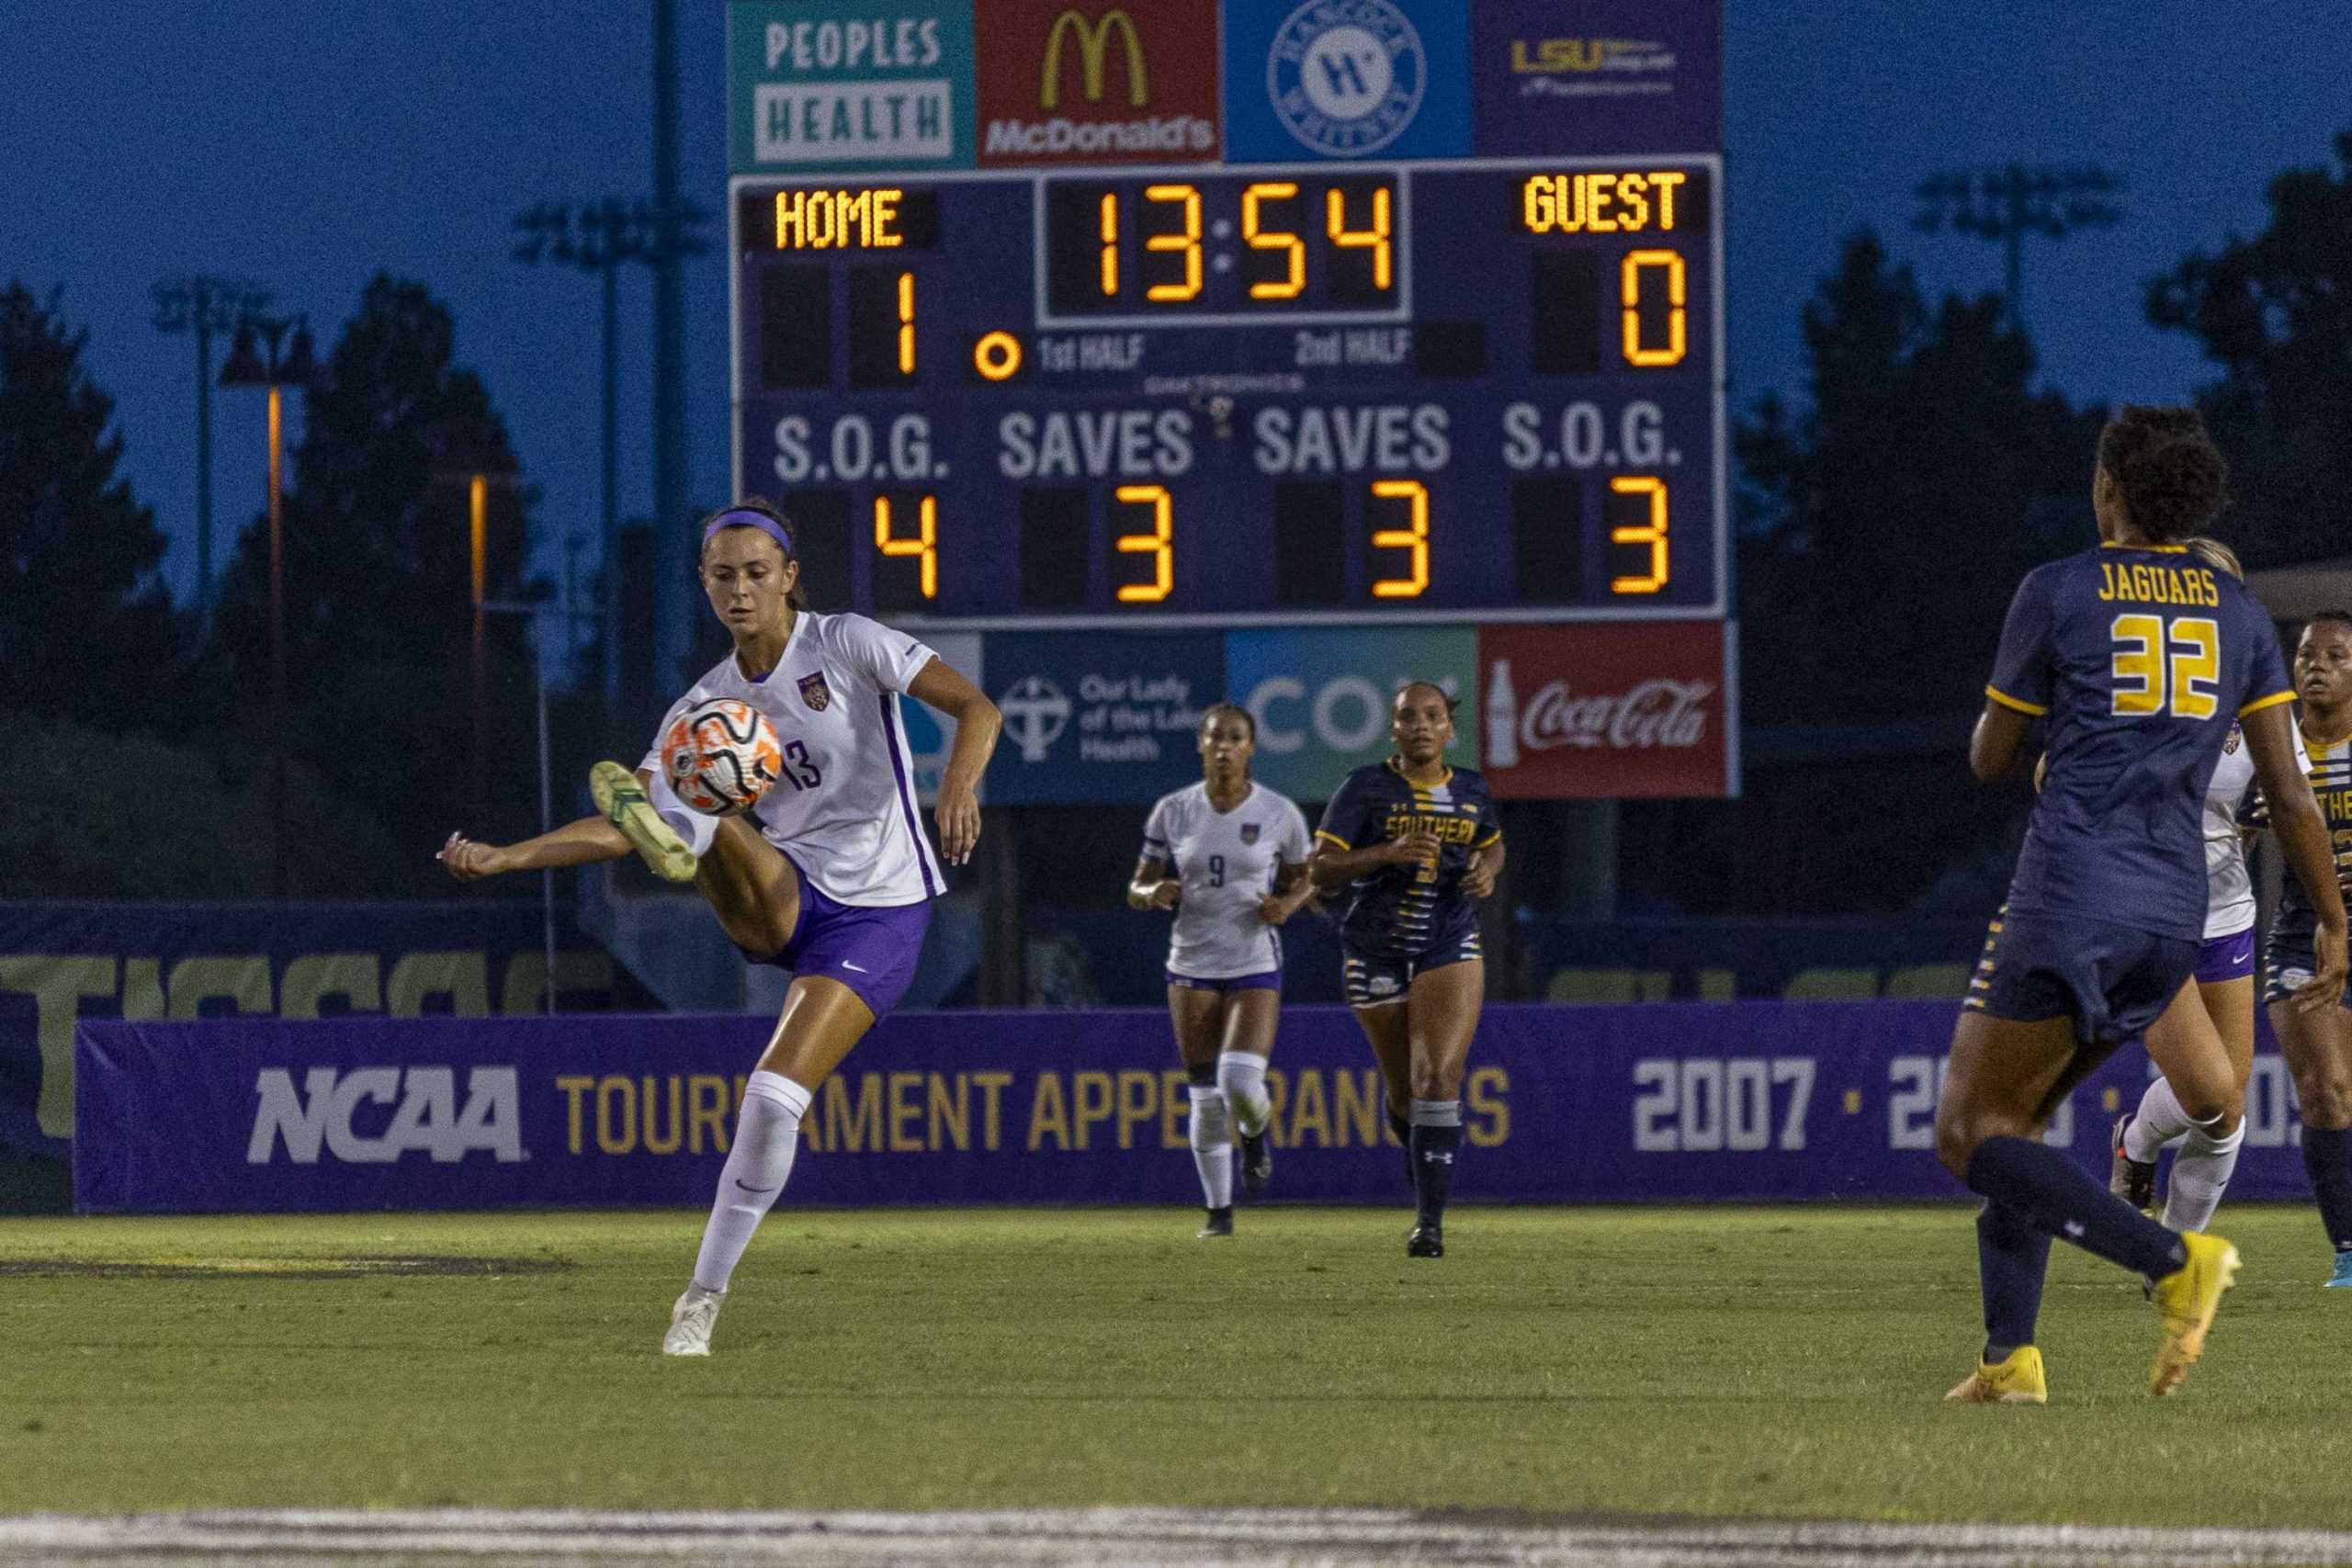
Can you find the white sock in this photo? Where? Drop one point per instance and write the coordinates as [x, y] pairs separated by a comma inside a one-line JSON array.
[[1242, 1076], [697, 829], [766, 1135], [1211, 1147], [2200, 1173], [2158, 1121]]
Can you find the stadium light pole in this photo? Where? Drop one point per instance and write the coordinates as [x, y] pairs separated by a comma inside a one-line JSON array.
[[602, 236], [2007, 203], [536, 611], [248, 368], [202, 305]]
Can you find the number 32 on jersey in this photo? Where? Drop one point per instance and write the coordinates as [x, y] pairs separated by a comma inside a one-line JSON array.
[[2161, 665]]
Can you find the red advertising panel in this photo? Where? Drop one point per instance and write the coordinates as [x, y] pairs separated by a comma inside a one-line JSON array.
[[1612, 710], [1098, 81]]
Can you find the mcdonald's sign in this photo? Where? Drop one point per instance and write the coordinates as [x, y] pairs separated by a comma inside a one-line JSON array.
[[1098, 81], [1094, 46]]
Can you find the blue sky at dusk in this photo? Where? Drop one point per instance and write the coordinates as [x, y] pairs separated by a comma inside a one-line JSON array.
[[309, 146]]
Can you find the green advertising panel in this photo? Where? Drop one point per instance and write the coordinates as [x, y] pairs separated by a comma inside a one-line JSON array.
[[1321, 696], [848, 84]]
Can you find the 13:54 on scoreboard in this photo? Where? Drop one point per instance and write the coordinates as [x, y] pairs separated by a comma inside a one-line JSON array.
[[1161, 397]]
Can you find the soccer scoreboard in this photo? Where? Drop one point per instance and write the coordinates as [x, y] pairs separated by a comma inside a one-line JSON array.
[[1085, 316]]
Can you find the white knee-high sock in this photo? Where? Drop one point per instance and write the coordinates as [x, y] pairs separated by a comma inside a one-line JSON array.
[[766, 1135], [693, 826], [2157, 1121], [2200, 1173], [1211, 1147], [1242, 1076]]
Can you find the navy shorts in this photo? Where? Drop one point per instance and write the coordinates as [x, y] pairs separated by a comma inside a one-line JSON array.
[[1264, 980], [2225, 957], [2113, 981], [2291, 961], [1375, 979], [870, 949]]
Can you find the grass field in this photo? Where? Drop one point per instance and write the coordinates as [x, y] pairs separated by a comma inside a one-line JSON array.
[[1646, 1361]]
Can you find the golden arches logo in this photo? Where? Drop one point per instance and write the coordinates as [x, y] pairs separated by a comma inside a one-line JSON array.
[[1093, 47]]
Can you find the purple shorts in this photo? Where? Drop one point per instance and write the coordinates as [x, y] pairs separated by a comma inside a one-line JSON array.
[[870, 949], [2226, 958], [1266, 980]]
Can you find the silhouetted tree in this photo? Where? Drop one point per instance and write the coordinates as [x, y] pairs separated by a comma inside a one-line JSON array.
[[85, 628], [2275, 312], [378, 582], [1885, 526]]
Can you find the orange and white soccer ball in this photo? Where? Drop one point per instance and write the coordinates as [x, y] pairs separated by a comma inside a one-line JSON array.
[[722, 756]]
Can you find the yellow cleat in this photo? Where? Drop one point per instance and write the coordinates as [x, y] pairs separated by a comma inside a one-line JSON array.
[[622, 799], [2186, 1300], [2016, 1381]]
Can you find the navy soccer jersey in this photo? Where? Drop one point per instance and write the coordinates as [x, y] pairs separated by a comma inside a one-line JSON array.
[[1402, 911], [2142, 658]]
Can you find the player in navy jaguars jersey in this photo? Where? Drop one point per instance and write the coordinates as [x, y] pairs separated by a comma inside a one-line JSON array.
[[2139, 657], [2317, 1042], [1416, 845]]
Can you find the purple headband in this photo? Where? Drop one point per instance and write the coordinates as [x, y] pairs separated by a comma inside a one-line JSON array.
[[744, 517]]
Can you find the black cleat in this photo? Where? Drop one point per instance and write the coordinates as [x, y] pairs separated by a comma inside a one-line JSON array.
[[2128, 1178], [1220, 1223], [1427, 1241], [1257, 1162]]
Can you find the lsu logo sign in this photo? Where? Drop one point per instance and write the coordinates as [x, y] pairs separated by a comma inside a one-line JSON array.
[[326, 1115], [1099, 82]]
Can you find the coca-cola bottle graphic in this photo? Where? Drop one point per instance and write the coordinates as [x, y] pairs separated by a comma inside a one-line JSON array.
[[1501, 718]]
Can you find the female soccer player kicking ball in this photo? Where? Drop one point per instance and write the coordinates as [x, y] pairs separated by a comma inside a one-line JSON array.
[[1416, 845], [2141, 657], [2224, 989], [829, 875], [1230, 856], [2317, 1041]]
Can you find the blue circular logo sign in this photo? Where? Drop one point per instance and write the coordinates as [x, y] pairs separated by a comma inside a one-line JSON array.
[[1346, 76]]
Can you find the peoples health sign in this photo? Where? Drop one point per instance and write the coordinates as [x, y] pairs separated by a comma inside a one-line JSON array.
[[849, 83]]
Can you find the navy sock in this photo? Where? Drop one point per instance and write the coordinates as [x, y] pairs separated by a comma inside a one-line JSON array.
[[1437, 1139], [2011, 1258], [2327, 1160], [2055, 1194]]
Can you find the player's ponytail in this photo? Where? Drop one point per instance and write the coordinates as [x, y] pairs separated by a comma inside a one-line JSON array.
[[2173, 479]]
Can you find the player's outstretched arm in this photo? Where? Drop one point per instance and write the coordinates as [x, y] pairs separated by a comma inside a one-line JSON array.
[[1486, 864], [1151, 887], [976, 724], [1993, 744], [1332, 866], [582, 842], [2303, 839]]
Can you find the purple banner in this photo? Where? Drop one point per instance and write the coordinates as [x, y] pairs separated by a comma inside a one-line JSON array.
[[1759, 1101]]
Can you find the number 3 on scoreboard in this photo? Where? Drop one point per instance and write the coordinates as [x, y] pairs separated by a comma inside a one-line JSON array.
[[1158, 544], [1651, 532]]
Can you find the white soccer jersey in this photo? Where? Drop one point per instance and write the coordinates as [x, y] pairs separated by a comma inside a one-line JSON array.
[[1227, 860], [2229, 886], [845, 809]]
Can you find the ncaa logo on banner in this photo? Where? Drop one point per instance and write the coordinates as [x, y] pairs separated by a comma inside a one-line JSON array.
[[1347, 76]]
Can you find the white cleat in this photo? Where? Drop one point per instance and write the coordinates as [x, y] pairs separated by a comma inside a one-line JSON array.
[[691, 1321]]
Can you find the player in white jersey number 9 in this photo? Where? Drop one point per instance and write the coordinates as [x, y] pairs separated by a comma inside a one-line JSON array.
[[828, 875], [1230, 856]]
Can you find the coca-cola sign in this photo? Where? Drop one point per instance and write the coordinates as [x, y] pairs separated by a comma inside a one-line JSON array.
[[1612, 710]]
